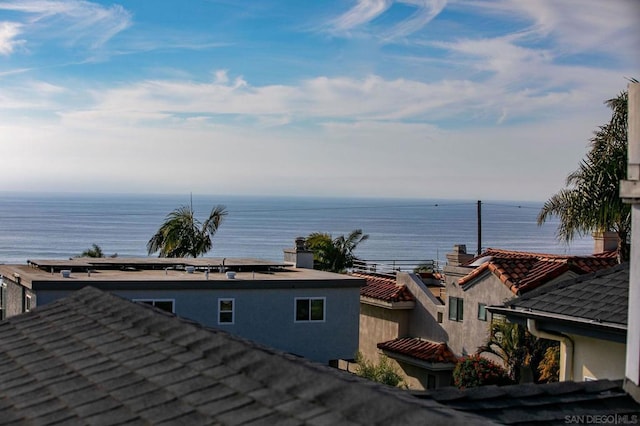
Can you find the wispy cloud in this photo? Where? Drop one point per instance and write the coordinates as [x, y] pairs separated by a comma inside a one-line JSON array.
[[75, 22], [363, 12], [8, 33], [371, 98], [366, 11]]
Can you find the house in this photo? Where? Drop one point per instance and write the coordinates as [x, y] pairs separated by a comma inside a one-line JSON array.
[[587, 315], [630, 193], [302, 311], [16, 297], [95, 358], [399, 318], [497, 276]]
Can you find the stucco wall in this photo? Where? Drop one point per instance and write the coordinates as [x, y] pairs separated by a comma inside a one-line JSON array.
[[377, 325], [598, 359], [15, 298], [467, 335], [267, 317], [416, 378], [423, 320]]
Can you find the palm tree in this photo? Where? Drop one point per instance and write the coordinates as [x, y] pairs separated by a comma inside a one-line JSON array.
[[591, 203], [94, 251], [335, 255], [182, 235], [513, 344]]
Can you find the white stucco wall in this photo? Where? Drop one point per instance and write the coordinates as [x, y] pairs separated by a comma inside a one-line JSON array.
[[597, 359]]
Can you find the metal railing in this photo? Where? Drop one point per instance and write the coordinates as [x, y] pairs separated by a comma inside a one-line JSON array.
[[390, 267]]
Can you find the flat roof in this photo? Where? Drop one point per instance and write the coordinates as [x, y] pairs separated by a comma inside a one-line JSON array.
[[142, 262], [83, 274]]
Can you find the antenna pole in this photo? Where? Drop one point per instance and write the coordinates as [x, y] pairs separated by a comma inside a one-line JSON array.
[[479, 227]]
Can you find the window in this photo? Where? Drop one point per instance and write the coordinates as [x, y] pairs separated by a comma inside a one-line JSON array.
[[440, 316], [431, 381], [309, 309], [164, 304], [27, 303], [3, 300], [225, 311], [456, 311], [482, 311]]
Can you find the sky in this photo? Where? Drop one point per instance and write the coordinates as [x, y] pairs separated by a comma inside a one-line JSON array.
[[466, 99]]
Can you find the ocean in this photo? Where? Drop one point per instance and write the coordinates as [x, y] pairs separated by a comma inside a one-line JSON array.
[[410, 231]]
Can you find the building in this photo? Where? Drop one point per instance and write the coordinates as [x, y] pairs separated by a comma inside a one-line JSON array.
[[399, 318], [15, 297], [95, 358], [302, 311], [587, 315], [494, 278]]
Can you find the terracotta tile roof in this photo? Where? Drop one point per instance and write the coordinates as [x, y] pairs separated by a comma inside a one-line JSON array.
[[424, 350], [384, 288], [525, 271]]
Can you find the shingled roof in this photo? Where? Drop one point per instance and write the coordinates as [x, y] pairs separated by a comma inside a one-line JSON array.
[[94, 358], [525, 271], [594, 402], [423, 350], [599, 299]]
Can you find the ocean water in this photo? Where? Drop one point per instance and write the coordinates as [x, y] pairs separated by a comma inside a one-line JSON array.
[[58, 226]]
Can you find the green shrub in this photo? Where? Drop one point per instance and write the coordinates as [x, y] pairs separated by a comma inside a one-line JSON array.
[[383, 372], [474, 370]]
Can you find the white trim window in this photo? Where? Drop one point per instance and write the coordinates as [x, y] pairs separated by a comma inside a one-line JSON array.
[[27, 303], [309, 309], [164, 304], [226, 311]]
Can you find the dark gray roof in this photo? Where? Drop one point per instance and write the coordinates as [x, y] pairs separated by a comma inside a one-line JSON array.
[[601, 297], [554, 403], [94, 358]]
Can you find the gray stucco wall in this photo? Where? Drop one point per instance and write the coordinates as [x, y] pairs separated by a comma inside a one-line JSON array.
[[15, 301], [267, 317]]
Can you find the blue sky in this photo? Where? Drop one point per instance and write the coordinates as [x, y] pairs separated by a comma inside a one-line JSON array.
[[492, 99]]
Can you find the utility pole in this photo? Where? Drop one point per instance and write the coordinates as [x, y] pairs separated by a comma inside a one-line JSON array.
[[479, 227]]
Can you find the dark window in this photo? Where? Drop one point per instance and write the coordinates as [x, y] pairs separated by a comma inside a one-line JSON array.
[[431, 381], [440, 316], [456, 308], [27, 303], [164, 304], [225, 311], [482, 311], [309, 309]]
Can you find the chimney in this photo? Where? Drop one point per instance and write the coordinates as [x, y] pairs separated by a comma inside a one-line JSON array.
[[630, 193], [459, 255], [604, 241], [299, 256]]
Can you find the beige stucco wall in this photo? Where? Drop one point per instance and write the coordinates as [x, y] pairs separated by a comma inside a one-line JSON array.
[[416, 378], [597, 359], [423, 319], [467, 335], [378, 324]]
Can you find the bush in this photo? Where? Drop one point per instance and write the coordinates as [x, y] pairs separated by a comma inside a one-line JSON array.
[[474, 370], [549, 367], [382, 372]]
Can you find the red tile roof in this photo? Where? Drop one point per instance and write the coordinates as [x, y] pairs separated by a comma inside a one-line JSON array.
[[423, 350], [384, 288], [525, 271]]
